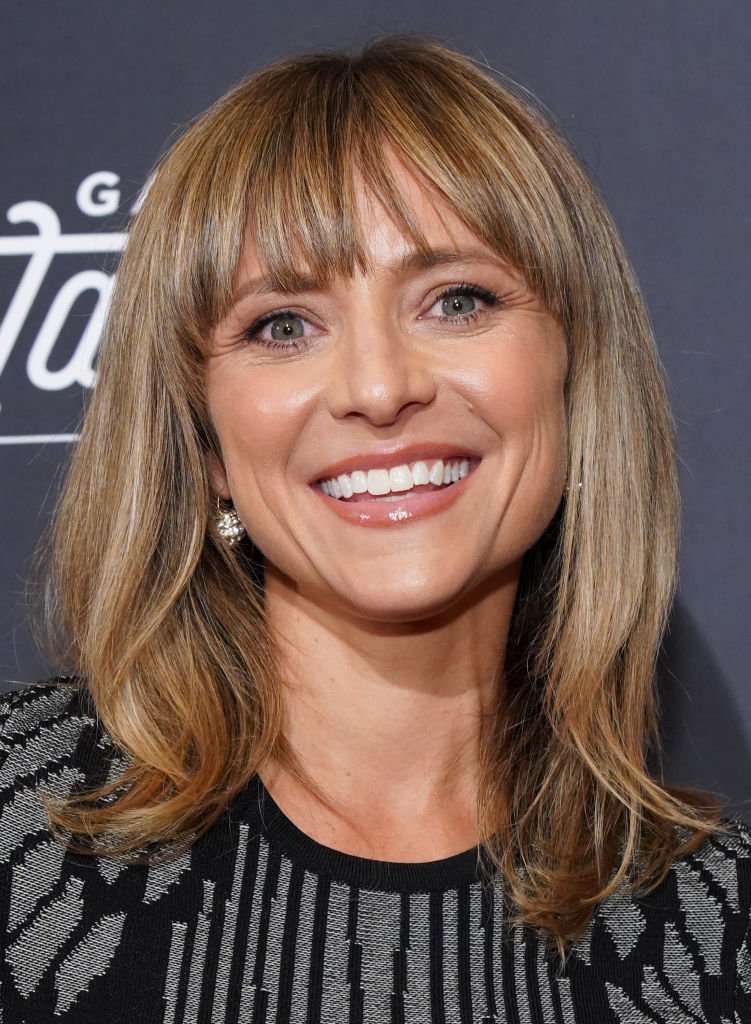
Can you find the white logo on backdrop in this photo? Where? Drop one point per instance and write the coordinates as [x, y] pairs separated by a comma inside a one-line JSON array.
[[96, 196]]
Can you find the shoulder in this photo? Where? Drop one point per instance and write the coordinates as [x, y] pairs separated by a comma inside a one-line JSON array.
[[713, 884], [718, 874], [703, 903], [50, 742], [40, 725], [28, 706], [732, 845], [710, 887], [683, 943]]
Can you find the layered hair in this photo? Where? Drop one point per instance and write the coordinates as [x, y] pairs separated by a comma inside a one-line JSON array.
[[166, 624]]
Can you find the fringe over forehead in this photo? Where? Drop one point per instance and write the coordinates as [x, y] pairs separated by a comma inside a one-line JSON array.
[[281, 154]]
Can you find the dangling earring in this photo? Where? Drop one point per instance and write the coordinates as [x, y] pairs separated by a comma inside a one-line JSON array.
[[228, 524], [566, 488]]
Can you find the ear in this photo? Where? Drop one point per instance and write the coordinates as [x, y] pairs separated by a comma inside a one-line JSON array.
[[218, 476]]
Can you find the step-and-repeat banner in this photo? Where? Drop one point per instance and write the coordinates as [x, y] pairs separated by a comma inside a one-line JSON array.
[[654, 98]]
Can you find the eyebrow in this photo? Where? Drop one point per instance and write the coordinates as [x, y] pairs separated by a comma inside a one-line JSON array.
[[411, 262]]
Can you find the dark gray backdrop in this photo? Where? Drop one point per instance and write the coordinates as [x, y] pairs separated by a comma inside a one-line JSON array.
[[654, 96]]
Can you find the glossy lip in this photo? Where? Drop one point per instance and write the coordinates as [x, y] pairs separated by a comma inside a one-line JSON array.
[[387, 458], [396, 513]]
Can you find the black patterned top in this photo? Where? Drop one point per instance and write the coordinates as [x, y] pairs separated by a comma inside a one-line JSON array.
[[256, 922]]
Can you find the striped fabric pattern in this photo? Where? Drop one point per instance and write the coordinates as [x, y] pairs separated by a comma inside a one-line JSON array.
[[258, 923]]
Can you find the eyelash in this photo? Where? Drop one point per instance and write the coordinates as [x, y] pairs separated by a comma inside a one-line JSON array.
[[474, 291]]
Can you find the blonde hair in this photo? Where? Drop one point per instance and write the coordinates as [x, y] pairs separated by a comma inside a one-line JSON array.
[[166, 624]]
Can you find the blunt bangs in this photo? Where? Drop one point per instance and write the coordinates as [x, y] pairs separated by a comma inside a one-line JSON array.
[[282, 155]]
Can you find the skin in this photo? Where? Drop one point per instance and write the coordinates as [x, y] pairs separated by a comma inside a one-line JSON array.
[[391, 640]]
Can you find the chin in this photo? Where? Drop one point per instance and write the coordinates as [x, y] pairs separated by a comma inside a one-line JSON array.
[[405, 602]]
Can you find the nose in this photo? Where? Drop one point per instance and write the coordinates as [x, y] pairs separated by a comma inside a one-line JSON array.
[[379, 373]]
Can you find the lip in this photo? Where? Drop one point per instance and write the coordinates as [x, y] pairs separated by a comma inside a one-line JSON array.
[[387, 458], [382, 514]]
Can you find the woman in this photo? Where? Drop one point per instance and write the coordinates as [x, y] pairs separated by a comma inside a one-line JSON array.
[[362, 565]]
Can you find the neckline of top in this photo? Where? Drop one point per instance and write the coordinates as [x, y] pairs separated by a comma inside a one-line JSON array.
[[256, 802]]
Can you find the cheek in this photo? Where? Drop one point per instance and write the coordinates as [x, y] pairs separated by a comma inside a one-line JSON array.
[[523, 394], [258, 417], [524, 404]]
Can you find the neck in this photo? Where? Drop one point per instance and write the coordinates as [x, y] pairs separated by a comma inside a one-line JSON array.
[[389, 718]]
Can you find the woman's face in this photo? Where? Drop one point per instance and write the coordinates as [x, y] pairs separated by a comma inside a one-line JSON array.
[[413, 362]]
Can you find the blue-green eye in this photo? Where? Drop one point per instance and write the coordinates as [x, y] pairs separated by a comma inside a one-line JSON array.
[[286, 328], [457, 304]]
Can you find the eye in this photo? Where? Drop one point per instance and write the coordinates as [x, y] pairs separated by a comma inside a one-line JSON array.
[[283, 329], [461, 303], [286, 328], [456, 304]]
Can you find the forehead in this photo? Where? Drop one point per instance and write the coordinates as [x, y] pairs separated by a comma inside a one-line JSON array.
[[439, 235], [441, 227]]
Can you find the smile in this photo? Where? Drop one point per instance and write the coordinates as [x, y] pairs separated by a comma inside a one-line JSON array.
[[402, 494], [383, 484]]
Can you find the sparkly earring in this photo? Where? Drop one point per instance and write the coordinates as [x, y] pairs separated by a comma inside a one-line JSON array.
[[228, 524], [566, 488]]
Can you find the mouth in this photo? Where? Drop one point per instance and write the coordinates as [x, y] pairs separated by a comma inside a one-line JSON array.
[[398, 483], [401, 494]]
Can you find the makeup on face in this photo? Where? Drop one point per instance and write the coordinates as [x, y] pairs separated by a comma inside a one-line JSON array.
[[409, 419], [379, 489]]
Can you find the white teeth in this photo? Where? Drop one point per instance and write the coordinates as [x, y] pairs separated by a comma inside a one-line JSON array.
[[400, 479], [378, 481], [420, 474], [396, 481], [359, 482]]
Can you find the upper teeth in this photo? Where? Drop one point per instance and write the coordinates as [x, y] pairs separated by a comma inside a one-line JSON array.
[[399, 479]]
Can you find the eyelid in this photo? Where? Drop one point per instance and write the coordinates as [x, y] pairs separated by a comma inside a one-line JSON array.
[[258, 324], [486, 295], [490, 298]]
